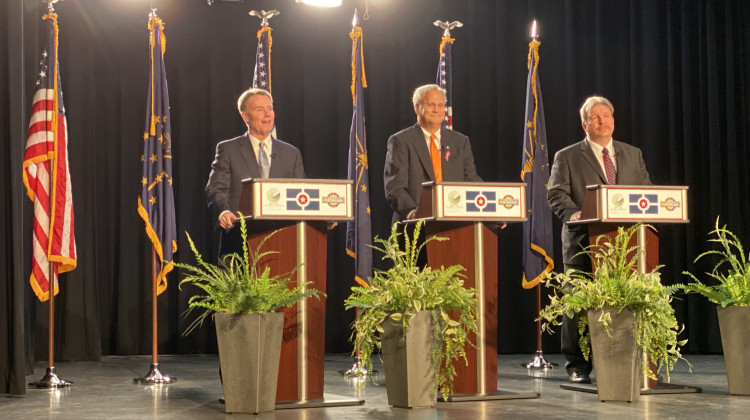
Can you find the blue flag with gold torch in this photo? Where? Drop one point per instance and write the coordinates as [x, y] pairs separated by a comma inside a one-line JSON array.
[[359, 231], [537, 229], [156, 203]]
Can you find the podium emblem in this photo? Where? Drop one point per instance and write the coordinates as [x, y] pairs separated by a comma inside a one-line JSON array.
[[670, 204], [273, 195], [509, 202], [618, 200], [454, 197], [302, 199], [333, 199], [644, 203], [480, 201]]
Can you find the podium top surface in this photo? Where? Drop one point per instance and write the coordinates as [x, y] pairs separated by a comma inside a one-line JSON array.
[[472, 201], [634, 203], [297, 199]]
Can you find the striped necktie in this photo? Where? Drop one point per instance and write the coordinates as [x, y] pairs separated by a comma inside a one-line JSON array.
[[263, 162], [437, 166], [609, 167]]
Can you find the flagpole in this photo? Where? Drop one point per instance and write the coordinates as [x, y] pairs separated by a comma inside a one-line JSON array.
[[50, 378], [154, 375], [538, 362], [154, 313]]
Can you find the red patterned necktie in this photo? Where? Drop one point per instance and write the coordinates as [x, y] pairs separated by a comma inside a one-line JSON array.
[[609, 167], [437, 166]]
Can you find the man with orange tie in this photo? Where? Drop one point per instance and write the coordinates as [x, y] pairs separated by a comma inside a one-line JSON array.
[[425, 152]]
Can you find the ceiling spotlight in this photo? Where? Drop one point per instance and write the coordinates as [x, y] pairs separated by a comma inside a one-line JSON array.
[[321, 3]]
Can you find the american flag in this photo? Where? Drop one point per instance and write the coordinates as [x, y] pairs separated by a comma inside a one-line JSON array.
[[156, 203], [444, 78], [262, 72], [46, 174], [537, 229], [359, 231]]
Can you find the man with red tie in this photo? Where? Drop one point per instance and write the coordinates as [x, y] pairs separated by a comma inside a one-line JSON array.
[[597, 159], [425, 152]]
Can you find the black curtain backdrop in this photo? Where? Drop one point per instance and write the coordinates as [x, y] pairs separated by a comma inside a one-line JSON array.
[[678, 73]]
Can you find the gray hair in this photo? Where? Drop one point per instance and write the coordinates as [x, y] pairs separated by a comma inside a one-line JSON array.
[[421, 92], [242, 100], [590, 102]]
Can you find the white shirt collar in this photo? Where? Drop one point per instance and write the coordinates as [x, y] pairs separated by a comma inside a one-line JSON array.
[[598, 148], [427, 135], [256, 143]]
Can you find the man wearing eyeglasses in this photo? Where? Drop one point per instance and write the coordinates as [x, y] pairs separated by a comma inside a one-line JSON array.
[[427, 151], [597, 159]]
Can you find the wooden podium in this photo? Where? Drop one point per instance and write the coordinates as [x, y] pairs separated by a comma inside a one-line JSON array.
[[608, 207], [469, 214], [298, 210]]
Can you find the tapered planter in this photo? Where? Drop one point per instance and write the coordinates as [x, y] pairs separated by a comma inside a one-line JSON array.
[[617, 357], [410, 375], [249, 351], [735, 339]]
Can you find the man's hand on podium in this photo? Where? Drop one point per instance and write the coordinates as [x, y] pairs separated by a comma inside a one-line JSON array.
[[575, 216], [227, 219], [497, 225], [331, 225]]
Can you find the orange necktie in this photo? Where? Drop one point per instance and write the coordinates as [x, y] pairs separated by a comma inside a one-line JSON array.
[[437, 167]]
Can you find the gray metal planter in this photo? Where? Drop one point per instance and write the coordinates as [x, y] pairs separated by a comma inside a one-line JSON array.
[[734, 323], [249, 351], [410, 375], [617, 357]]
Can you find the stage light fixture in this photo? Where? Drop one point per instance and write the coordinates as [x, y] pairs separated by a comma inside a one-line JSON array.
[[321, 3]]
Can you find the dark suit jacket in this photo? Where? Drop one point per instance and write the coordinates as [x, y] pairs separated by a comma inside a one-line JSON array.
[[574, 168], [408, 165], [235, 160]]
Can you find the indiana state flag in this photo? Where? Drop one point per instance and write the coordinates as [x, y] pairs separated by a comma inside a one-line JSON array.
[[537, 229], [359, 231], [156, 203]]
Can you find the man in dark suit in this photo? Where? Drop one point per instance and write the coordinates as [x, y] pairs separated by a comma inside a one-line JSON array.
[[597, 159], [425, 152], [255, 154]]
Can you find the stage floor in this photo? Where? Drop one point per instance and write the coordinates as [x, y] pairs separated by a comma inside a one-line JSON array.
[[104, 390]]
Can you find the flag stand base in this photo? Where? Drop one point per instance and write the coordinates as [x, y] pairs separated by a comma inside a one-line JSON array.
[[49, 381], [155, 377], [539, 362]]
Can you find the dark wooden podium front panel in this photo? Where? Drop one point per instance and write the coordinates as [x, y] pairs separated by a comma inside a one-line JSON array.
[[610, 230], [461, 248], [284, 261]]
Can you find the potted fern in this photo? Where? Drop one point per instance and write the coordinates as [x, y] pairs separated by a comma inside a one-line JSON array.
[[731, 294], [244, 299], [625, 311], [405, 312]]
